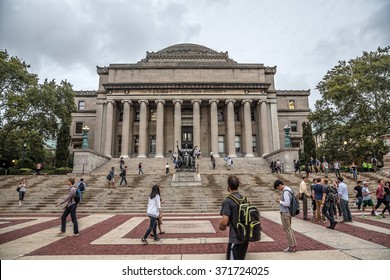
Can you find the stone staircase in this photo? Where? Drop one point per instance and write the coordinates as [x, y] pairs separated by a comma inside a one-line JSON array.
[[256, 183]]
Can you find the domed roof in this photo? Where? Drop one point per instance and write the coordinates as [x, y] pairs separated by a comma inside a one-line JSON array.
[[187, 52]]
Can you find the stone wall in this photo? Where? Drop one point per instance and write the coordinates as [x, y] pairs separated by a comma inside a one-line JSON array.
[[286, 157], [86, 161]]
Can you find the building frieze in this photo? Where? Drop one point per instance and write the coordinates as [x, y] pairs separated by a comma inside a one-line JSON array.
[[169, 88]]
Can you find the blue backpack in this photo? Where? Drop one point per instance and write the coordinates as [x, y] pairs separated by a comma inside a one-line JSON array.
[[77, 196]]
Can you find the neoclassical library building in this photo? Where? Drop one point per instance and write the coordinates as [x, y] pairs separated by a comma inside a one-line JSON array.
[[188, 95]]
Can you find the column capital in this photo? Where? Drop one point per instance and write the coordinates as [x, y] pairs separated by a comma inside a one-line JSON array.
[[159, 100], [246, 100], [261, 101], [143, 101], [213, 100], [196, 100], [177, 100], [109, 101], [230, 100], [126, 101]]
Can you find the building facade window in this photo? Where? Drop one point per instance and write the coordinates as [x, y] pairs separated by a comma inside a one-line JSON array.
[[152, 142], [236, 114], [291, 104], [254, 143], [136, 115], [81, 105], [294, 126], [221, 144], [253, 114], [136, 143], [238, 144], [220, 115], [119, 144], [79, 127], [153, 115]]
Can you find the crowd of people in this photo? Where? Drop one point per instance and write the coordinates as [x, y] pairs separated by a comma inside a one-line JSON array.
[[323, 200]]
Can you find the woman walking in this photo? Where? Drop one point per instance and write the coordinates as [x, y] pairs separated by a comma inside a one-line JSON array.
[[153, 211], [22, 191]]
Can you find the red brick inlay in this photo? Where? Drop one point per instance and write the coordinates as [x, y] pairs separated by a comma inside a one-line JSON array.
[[366, 234], [81, 245], [22, 232]]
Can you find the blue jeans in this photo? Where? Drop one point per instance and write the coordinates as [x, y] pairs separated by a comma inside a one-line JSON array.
[[345, 209], [354, 173], [327, 211], [359, 202], [72, 211], [152, 227]]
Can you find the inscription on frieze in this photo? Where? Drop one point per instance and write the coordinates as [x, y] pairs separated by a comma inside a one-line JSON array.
[[190, 91]]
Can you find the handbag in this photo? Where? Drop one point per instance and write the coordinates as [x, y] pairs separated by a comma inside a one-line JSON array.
[[18, 189], [300, 196]]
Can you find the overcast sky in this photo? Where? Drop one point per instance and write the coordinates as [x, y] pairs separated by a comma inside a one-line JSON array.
[[66, 39]]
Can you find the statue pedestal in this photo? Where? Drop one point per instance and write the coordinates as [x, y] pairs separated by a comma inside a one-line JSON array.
[[186, 179], [386, 157], [386, 164]]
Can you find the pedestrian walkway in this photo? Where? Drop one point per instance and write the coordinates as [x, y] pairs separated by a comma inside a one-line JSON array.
[[187, 237]]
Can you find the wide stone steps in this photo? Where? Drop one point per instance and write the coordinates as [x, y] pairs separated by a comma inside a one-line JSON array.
[[256, 182]]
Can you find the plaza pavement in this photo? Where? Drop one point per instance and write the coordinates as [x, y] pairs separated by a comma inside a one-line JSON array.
[[187, 237]]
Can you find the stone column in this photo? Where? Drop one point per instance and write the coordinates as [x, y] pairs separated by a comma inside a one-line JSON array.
[[142, 129], [109, 128], [196, 121], [160, 129], [177, 123], [214, 126], [264, 125], [125, 128], [231, 128], [274, 124], [248, 128], [98, 147]]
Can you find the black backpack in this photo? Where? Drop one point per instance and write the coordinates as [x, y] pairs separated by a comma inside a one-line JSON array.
[[332, 194], [294, 204], [248, 226], [82, 187], [77, 196]]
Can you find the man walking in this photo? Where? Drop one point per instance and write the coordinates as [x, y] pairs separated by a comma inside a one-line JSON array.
[[284, 203], [367, 201], [328, 199], [304, 194], [343, 194], [123, 176], [236, 249], [70, 208]]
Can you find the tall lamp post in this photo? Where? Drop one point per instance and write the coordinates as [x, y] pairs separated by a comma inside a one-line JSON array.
[[85, 137], [345, 150], [23, 154]]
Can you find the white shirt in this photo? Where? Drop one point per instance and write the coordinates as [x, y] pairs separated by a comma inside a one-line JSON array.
[[154, 206], [343, 191]]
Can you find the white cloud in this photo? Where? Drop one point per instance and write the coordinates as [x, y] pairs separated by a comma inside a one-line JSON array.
[[67, 39]]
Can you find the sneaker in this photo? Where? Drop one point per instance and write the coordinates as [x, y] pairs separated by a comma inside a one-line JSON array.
[[290, 250], [383, 215], [157, 239], [143, 240], [363, 216], [76, 234]]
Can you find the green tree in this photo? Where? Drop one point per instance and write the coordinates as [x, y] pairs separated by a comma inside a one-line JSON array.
[[309, 145], [355, 107], [31, 113]]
